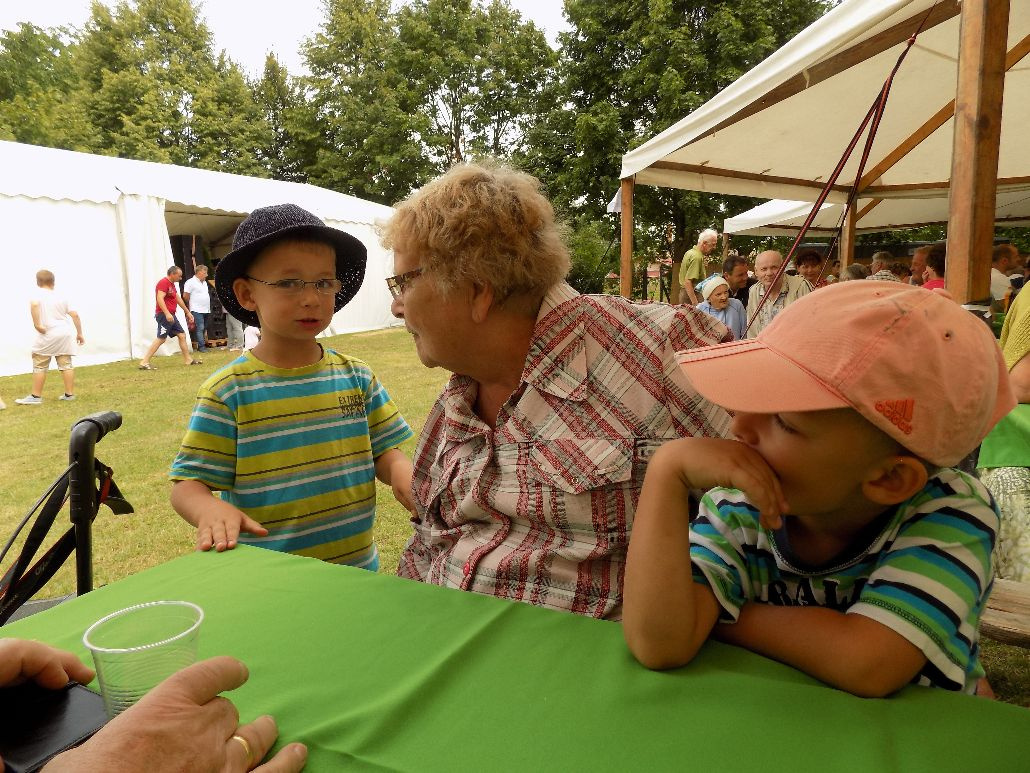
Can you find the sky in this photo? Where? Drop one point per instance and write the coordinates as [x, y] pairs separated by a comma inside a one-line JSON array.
[[248, 36]]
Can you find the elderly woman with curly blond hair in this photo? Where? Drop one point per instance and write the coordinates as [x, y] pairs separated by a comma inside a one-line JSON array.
[[529, 466]]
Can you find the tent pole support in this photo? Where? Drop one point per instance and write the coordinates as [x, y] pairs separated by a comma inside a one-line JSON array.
[[846, 250], [974, 160], [626, 254]]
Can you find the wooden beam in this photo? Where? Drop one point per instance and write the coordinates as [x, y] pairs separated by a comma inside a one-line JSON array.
[[626, 256], [846, 246], [941, 117], [874, 190], [822, 71], [869, 207], [737, 174], [974, 159]]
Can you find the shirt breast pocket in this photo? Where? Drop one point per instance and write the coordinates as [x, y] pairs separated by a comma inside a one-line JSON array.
[[579, 465]]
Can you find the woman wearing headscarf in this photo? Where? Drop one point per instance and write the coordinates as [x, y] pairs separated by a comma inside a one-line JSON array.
[[718, 303]]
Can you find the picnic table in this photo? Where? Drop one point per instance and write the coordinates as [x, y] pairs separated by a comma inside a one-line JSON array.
[[378, 673]]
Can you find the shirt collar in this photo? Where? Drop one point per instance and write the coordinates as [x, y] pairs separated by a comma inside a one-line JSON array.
[[557, 360]]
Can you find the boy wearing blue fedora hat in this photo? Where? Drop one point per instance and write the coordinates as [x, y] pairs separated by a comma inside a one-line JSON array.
[[291, 434]]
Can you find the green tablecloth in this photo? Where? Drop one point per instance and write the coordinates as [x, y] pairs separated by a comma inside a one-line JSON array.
[[378, 673]]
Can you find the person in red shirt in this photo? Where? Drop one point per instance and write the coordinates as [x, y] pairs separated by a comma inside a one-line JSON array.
[[167, 324], [933, 277]]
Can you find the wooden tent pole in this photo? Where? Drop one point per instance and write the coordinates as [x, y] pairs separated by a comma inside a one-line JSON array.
[[846, 248], [626, 257], [974, 162]]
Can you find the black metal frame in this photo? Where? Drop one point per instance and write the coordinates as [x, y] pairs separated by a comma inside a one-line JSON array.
[[85, 484]]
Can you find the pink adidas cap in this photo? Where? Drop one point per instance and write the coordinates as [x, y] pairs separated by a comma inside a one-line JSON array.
[[911, 361]]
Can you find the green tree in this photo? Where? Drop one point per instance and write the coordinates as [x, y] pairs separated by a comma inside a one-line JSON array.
[[38, 89], [479, 72], [153, 89], [614, 91], [280, 99], [359, 130], [399, 97], [230, 133]]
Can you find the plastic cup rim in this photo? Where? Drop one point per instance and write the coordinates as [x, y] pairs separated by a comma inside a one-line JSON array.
[[152, 645]]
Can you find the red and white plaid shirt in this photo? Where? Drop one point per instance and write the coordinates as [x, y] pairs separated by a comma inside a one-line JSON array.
[[540, 509]]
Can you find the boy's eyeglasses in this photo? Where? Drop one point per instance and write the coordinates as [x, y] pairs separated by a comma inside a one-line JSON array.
[[293, 286], [400, 281]]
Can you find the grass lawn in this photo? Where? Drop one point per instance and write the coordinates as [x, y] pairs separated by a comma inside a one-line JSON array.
[[155, 406]]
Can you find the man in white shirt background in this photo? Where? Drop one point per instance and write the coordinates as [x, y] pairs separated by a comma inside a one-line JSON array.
[[1003, 257], [197, 294]]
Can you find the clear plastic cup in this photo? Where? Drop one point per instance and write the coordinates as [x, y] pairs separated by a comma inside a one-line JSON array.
[[137, 647]]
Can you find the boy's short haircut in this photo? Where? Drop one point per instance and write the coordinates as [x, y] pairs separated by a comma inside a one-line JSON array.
[[913, 363], [267, 225], [44, 278]]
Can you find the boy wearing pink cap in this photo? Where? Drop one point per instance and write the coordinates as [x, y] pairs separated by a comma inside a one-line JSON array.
[[835, 538]]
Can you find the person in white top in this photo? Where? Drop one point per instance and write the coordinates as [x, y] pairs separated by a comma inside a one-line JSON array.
[[251, 337], [59, 328], [1003, 258], [196, 293]]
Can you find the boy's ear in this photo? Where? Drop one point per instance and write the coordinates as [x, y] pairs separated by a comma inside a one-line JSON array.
[[241, 288], [895, 479]]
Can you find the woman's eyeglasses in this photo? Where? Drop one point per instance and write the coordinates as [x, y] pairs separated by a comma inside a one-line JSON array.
[[294, 286], [400, 281]]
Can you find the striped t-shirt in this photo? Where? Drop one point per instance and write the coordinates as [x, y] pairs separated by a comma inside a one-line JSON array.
[[924, 571], [294, 449]]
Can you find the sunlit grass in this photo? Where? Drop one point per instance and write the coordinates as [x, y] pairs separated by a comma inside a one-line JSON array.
[[155, 406]]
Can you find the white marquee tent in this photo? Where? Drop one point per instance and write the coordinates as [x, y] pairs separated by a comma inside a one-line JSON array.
[[102, 225]]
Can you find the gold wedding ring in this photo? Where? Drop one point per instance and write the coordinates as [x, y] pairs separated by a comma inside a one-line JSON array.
[[246, 748]]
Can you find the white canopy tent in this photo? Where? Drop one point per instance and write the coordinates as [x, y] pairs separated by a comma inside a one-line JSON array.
[[779, 130], [785, 218], [102, 225]]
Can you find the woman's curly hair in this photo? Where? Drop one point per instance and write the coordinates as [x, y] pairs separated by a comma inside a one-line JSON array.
[[483, 222]]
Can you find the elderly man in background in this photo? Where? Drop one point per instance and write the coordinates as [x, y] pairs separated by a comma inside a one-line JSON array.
[[880, 267], [692, 269], [529, 466], [781, 292]]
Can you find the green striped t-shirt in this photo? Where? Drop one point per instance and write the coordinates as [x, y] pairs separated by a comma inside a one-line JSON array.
[[294, 449], [924, 570]]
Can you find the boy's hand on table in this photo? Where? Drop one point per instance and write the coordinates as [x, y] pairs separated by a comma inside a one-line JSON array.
[[221, 524]]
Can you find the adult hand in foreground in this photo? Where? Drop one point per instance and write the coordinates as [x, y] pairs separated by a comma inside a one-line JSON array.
[[182, 724], [32, 661]]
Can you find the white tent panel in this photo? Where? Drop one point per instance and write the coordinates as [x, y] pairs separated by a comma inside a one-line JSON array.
[[102, 225], [78, 241]]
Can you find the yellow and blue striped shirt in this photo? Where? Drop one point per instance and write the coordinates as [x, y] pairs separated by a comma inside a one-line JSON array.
[[294, 449]]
